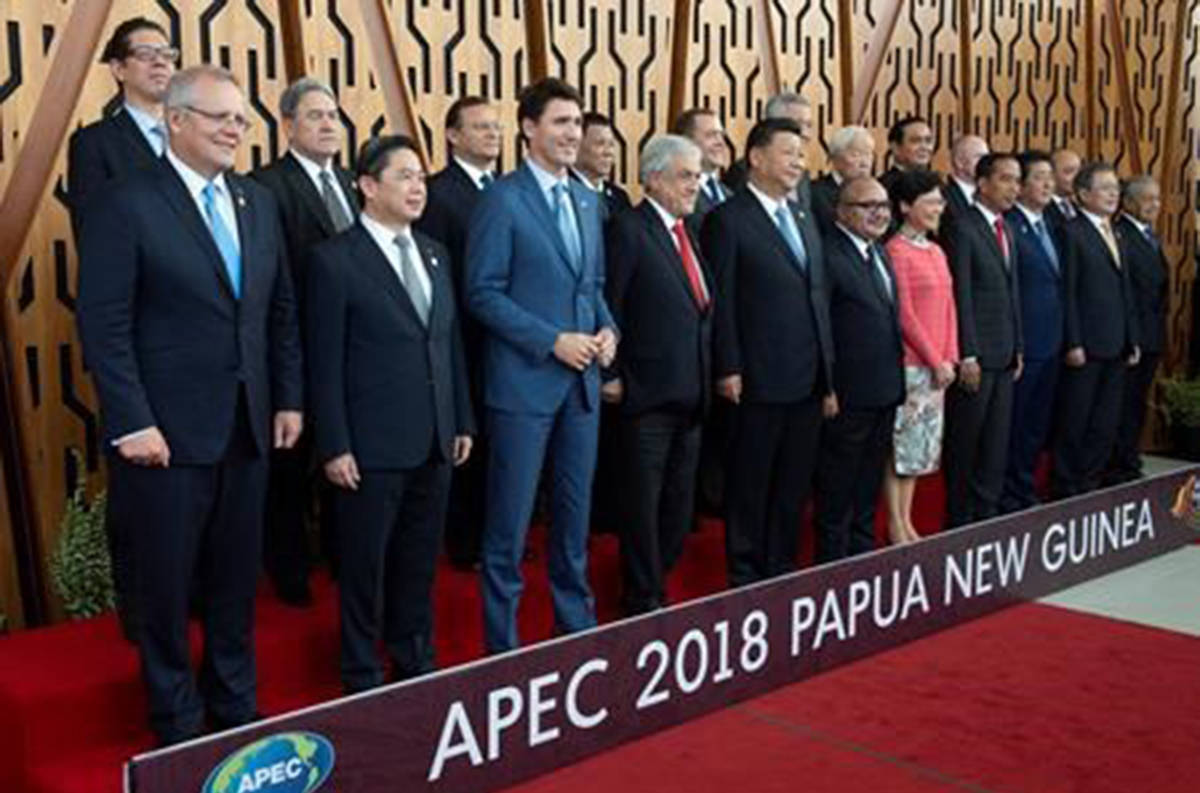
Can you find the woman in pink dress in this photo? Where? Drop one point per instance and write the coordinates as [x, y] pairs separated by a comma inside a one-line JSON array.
[[930, 332]]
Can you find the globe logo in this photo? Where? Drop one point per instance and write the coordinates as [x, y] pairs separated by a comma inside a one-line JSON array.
[[290, 762]]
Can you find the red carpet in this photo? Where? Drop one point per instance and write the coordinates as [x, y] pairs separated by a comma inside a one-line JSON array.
[[1034, 699], [72, 708]]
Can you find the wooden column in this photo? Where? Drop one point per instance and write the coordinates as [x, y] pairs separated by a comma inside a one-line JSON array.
[[401, 113], [291, 31], [681, 39], [864, 86], [965, 72], [768, 48], [1128, 116], [537, 39], [845, 33]]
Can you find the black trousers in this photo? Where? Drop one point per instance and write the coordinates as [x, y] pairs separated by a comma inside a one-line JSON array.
[[1127, 456], [716, 448], [389, 534], [976, 447], [291, 488], [1089, 409], [606, 482], [190, 521], [467, 507], [659, 455], [854, 450], [770, 474], [1032, 417]]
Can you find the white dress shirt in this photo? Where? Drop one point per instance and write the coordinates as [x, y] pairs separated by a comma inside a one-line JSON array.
[[476, 174], [385, 238], [153, 129], [314, 173]]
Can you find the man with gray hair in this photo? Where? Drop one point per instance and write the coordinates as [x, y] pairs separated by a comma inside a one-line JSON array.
[[1149, 277], [851, 156], [798, 109], [189, 329], [660, 295], [316, 199]]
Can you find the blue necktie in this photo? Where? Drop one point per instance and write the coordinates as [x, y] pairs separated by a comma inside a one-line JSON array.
[[1039, 228], [714, 190], [787, 225], [158, 139], [565, 215], [485, 180], [226, 244]]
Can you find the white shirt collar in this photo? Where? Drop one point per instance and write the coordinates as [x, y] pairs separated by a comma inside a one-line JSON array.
[[771, 205], [967, 188], [145, 122], [988, 215], [194, 182], [864, 247], [1098, 221], [476, 174], [597, 187], [667, 217], [837, 177], [1142, 227], [1033, 217], [385, 236], [311, 168]]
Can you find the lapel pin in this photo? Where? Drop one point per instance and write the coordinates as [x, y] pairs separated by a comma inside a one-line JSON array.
[[241, 200]]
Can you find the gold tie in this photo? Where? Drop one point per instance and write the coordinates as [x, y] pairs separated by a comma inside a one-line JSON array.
[[1111, 241]]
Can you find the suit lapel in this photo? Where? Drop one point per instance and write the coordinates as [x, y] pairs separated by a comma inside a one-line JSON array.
[[989, 232], [175, 191], [129, 128], [1099, 243], [768, 228], [438, 294], [346, 180], [671, 256], [583, 198], [244, 211], [531, 192], [307, 191], [380, 269]]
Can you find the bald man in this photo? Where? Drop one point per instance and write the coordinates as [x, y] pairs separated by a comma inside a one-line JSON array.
[[1062, 206], [960, 184]]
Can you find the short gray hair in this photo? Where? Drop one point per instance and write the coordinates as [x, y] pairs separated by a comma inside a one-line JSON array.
[[777, 106], [661, 151], [846, 137], [183, 83], [289, 101], [1133, 189]]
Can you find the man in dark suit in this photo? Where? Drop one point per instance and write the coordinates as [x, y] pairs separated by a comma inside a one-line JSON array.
[[703, 127], [316, 199], [596, 161], [959, 189], [474, 136], [983, 264], [535, 280], [868, 372], [772, 351], [392, 408], [1062, 206], [189, 329], [141, 58], [1148, 276], [1039, 262], [851, 156], [799, 110], [1102, 334], [910, 142], [661, 297]]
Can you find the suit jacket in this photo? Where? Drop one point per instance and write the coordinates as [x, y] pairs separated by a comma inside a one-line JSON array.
[[771, 322], [1055, 216], [1100, 308], [523, 288], [302, 212], [1148, 276], [868, 370], [985, 293], [384, 386], [824, 194], [704, 205], [616, 200], [453, 196], [1040, 281], [100, 153], [167, 343], [664, 361], [957, 205]]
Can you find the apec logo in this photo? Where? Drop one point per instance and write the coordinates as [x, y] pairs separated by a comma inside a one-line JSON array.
[[290, 762]]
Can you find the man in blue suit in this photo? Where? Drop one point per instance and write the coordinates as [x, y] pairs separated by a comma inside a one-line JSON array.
[[189, 328], [1039, 276], [534, 280]]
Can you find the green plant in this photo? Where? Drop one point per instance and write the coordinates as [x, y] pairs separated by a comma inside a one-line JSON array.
[[80, 567], [1182, 398]]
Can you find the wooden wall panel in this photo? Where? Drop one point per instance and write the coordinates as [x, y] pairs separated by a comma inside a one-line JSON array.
[[808, 57], [613, 52], [724, 64], [1027, 89], [920, 74], [448, 49]]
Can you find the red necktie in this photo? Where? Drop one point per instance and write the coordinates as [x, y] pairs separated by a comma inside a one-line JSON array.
[[1002, 238], [690, 268]]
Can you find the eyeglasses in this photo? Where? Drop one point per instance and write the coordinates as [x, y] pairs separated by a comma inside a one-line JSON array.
[[870, 206], [148, 53], [236, 120]]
